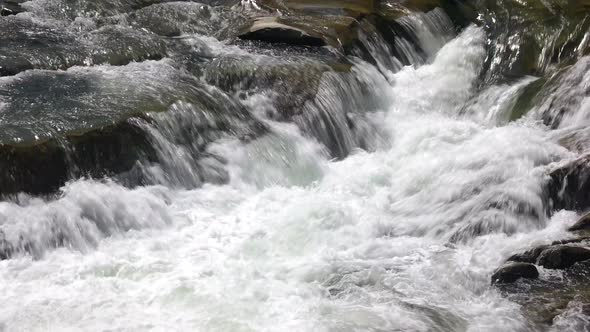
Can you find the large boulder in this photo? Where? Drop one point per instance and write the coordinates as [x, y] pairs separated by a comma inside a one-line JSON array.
[[513, 271], [103, 120], [558, 255], [336, 23], [27, 43], [562, 257]]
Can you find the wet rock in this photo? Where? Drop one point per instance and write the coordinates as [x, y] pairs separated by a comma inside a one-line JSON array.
[[180, 18], [11, 7], [335, 31], [6, 249], [69, 10], [351, 8], [394, 8], [270, 30], [563, 96], [358, 6], [526, 99], [116, 45], [544, 300], [30, 44], [529, 256], [582, 224], [583, 239], [511, 272], [295, 79], [519, 31], [42, 123], [562, 257], [316, 92], [568, 185], [26, 43]]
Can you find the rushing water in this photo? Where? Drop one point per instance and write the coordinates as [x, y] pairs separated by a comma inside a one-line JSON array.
[[402, 235]]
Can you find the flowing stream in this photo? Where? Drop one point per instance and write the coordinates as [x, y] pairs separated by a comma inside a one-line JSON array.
[[399, 229]]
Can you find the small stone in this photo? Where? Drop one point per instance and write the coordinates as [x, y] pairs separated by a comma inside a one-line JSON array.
[[513, 271], [562, 257]]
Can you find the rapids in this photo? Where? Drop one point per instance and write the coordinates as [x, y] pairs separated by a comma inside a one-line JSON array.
[[399, 230]]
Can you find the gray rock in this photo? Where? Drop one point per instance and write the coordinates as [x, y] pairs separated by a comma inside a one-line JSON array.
[[269, 30], [562, 257], [10, 7], [336, 31], [529, 256], [569, 185], [582, 224], [513, 271]]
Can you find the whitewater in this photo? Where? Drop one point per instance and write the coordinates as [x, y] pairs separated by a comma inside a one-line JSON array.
[[403, 237]]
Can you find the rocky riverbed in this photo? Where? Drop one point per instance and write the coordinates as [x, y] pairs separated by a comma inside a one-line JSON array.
[[263, 165]]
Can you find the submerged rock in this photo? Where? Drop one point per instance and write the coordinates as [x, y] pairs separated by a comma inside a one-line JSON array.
[[30, 44], [562, 257], [70, 10], [513, 271], [179, 18]]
